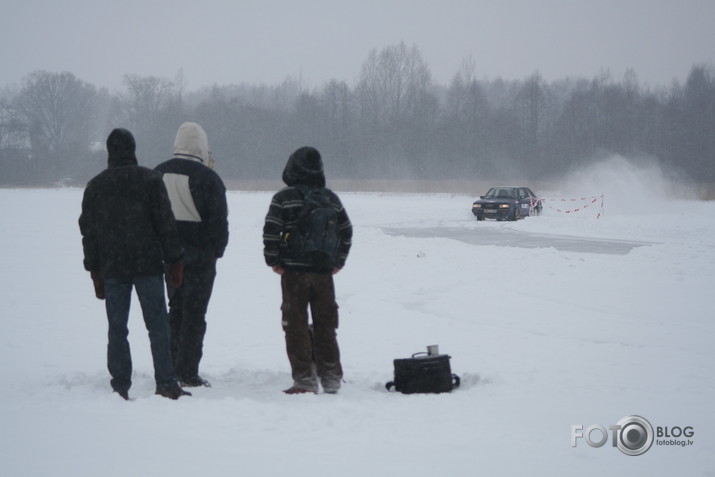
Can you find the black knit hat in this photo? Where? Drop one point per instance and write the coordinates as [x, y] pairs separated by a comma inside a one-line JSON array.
[[121, 148]]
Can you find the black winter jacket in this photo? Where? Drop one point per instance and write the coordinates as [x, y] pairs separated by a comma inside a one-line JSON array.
[[127, 225]]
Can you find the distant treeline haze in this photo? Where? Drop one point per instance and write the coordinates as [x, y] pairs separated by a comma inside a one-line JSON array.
[[393, 123]]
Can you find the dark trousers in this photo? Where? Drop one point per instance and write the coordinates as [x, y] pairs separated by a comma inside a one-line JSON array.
[[315, 355], [118, 293], [187, 314]]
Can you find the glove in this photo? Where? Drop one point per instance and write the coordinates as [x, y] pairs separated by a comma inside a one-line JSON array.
[[176, 275], [98, 285]]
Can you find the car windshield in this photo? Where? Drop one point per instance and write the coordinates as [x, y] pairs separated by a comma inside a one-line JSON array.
[[501, 193]]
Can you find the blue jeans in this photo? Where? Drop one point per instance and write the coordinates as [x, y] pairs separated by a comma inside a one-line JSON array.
[[118, 294]]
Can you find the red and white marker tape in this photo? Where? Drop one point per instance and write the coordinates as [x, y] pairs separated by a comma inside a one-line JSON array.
[[589, 203]]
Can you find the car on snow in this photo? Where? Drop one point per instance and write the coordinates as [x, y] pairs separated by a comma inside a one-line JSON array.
[[507, 203]]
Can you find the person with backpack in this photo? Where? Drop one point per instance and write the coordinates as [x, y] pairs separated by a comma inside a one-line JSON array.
[[198, 200], [307, 237]]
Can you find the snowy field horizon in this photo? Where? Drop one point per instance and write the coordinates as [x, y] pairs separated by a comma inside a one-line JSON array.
[[566, 319]]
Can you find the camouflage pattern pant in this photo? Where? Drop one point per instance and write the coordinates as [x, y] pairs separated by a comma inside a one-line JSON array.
[[311, 355]]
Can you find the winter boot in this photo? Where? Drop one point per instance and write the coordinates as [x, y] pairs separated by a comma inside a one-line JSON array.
[[295, 390], [171, 390], [123, 394], [194, 382]]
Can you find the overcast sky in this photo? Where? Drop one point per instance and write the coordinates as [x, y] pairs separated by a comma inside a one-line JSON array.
[[264, 41]]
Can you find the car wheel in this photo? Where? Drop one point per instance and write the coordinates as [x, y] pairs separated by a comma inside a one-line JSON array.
[[517, 214], [480, 219]]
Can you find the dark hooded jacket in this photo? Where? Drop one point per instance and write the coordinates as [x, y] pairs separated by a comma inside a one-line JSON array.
[[127, 225], [197, 195], [304, 169]]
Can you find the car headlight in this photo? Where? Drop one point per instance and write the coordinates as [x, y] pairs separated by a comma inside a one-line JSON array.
[[476, 206], [503, 206]]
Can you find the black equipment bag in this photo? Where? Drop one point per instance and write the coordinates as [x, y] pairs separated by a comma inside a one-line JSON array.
[[423, 374]]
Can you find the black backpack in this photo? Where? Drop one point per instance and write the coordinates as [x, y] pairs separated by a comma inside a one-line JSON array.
[[315, 238]]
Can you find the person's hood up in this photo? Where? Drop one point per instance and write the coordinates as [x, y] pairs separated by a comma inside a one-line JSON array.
[[192, 143], [304, 167], [121, 148]]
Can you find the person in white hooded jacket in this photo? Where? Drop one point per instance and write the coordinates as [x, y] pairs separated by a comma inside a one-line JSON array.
[[198, 200]]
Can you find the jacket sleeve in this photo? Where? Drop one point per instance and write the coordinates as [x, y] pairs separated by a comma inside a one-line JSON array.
[[165, 224], [90, 245], [217, 219], [273, 232], [345, 229]]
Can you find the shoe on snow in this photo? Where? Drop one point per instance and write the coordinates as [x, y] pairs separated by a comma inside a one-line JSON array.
[[171, 391], [331, 387], [195, 382], [124, 394], [295, 390]]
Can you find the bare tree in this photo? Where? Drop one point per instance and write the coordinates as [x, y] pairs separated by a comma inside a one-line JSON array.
[[528, 104], [337, 102], [143, 100], [13, 130], [466, 122], [152, 109], [396, 105], [698, 105], [57, 108], [14, 147], [459, 100], [392, 82]]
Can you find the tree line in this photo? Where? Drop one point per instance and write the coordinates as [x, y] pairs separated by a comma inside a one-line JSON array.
[[394, 122]]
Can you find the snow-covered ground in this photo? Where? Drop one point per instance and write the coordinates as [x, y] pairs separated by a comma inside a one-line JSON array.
[[543, 337]]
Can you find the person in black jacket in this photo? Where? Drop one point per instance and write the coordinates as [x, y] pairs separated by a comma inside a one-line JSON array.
[[313, 352], [198, 200], [128, 235]]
